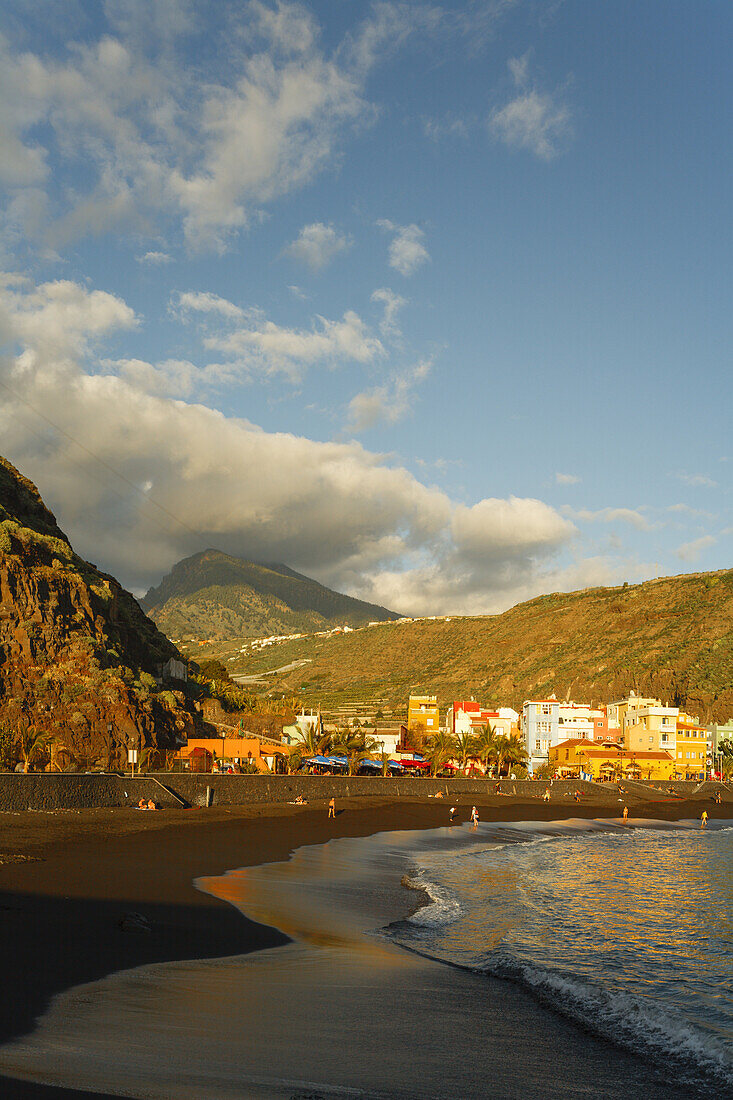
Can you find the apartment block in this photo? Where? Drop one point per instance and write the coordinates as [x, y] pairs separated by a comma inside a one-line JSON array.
[[422, 713], [547, 722]]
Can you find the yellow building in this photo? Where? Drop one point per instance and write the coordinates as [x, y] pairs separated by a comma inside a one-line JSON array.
[[609, 760], [692, 746], [618, 711], [422, 713], [650, 727]]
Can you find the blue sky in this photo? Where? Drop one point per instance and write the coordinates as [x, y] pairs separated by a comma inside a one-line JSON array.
[[430, 302]]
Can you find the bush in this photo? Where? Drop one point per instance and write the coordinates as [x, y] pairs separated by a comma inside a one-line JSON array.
[[7, 748]]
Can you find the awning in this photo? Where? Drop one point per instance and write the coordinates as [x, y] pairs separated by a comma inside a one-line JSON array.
[[415, 763]]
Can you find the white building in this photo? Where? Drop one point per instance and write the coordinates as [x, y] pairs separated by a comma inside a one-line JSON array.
[[467, 716], [547, 722]]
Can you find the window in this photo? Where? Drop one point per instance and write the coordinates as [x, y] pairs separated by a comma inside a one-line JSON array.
[[537, 746], [665, 737], [651, 738]]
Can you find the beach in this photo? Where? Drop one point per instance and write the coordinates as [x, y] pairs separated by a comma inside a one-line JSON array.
[[68, 880]]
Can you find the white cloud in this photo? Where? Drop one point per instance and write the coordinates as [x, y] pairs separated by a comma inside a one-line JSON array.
[[59, 320], [392, 304], [388, 403], [634, 516], [447, 127], [567, 479], [152, 136], [697, 481], [192, 301], [538, 121], [334, 510], [406, 250], [691, 551], [251, 343], [155, 258], [317, 245]]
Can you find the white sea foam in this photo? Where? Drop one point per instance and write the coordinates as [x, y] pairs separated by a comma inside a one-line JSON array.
[[443, 908], [661, 1033]]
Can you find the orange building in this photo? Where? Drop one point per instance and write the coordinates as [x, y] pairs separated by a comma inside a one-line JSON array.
[[230, 751]]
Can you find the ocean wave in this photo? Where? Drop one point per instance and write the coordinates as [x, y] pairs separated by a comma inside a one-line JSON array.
[[443, 907], [672, 1041]]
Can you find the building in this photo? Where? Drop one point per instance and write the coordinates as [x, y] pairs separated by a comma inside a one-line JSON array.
[[540, 728], [609, 760], [547, 722], [422, 714], [467, 716], [718, 733], [648, 726], [618, 711], [230, 750], [692, 747]]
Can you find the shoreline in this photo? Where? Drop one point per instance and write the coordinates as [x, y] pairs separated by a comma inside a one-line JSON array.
[[80, 873]]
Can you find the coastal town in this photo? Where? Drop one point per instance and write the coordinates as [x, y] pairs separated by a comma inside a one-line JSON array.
[[635, 738]]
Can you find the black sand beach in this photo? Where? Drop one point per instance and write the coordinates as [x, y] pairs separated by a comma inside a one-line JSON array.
[[68, 879]]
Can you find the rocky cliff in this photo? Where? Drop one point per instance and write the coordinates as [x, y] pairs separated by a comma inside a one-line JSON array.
[[79, 659]]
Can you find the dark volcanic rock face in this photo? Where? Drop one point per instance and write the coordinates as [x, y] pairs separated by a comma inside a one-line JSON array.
[[77, 654]]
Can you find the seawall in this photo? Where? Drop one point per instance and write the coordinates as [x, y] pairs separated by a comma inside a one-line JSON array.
[[73, 791]]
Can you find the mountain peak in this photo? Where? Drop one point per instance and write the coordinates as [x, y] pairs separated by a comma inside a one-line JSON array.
[[212, 594]]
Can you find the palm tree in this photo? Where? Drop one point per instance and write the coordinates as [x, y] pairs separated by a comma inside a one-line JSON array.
[[465, 748], [440, 748], [486, 746], [309, 742], [513, 751], [356, 746], [31, 742]]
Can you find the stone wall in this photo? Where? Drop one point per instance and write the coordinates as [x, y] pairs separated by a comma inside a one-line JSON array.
[[76, 791]]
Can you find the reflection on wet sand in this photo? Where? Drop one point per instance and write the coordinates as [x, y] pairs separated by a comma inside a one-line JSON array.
[[339, 1012]]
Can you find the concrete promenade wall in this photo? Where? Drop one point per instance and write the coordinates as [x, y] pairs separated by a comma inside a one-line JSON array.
[[75, 791]]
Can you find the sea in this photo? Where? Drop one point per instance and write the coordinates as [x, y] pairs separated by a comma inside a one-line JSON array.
[[626, 931], [571, 959]]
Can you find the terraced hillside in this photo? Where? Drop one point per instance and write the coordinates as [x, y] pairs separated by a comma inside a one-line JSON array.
[[671, 638]]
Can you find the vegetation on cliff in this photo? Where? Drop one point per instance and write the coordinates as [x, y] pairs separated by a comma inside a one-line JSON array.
[[80, 663], [215, 595]]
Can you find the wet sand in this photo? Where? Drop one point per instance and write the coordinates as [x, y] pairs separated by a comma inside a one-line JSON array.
[[67, 880]]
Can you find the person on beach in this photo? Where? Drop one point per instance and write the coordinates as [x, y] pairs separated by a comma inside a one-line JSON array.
[[704, 819], [474, 816], [546, 795], [451, 814], [626, 814], [332, 808]]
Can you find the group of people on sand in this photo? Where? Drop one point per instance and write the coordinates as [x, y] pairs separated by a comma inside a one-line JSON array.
[[454, 810], [146, 804]]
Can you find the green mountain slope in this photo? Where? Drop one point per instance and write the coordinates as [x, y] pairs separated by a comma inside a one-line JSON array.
[[214, 595], [671, 638]]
